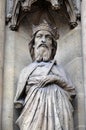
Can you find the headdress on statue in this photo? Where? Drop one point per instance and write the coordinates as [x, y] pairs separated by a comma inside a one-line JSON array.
[[47, 27], [44, 26]]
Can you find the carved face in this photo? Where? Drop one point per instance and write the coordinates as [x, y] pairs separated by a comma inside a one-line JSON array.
[[43, 45]]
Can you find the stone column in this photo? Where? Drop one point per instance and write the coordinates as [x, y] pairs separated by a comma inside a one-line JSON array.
[[8, 84], [2, 27], [84, 49]]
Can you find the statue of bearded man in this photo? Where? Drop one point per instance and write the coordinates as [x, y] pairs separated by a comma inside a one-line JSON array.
[[44, 91]]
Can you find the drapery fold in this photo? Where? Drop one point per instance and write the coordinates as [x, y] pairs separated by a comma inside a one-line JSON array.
[[47, 101]]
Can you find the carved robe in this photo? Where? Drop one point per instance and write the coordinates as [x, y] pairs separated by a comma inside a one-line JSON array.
[[46, 103]]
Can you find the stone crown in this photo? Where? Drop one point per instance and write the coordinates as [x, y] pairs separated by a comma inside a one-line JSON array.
[[47, 27]]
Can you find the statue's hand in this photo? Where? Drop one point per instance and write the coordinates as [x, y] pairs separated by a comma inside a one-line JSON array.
[[56, 79], [47, 79], [18, 104]]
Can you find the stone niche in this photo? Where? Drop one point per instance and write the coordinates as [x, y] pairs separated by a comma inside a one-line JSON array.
[[16, 57]]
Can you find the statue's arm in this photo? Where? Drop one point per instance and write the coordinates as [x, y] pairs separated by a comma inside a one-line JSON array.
[[19, 103], [63, 79], [20, 93], [21, 87], [57, 79]]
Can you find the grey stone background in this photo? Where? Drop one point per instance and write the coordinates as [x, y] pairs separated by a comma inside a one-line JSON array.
[[16, 56]]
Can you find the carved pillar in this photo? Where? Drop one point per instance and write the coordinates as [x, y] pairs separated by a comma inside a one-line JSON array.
[[2, 25], [84, 48], [8, 85]]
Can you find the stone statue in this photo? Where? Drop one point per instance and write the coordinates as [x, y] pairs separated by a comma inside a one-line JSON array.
[[44, 91]]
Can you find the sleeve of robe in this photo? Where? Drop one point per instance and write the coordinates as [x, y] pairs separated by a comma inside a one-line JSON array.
[[68, 85], [20, 93]]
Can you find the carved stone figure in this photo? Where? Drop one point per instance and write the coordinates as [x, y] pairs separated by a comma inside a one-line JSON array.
[[44, 90], [23, 7]]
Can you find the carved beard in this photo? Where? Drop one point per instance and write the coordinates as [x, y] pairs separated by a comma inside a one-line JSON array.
[[42, 53]]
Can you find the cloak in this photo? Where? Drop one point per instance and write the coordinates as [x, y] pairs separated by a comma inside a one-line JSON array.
[[28, 70]]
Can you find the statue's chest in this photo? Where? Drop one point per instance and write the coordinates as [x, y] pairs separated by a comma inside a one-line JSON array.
[[42, 69]]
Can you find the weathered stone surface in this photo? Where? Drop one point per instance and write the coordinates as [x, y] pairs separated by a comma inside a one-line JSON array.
[[8, 86], [43, 85], [2, 32], [84, 49], [69, 46], [74, 68], [69, 53], [26, 7], [16, 57]]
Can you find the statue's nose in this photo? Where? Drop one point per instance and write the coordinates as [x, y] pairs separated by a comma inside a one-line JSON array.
[[43, 40]]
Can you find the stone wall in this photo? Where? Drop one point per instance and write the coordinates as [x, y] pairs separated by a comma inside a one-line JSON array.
[[69, 54], [84, 51], [2, 39], [16, 57]]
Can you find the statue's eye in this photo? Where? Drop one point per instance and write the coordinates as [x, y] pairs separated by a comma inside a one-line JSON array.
[[49, 37], [39, 36]]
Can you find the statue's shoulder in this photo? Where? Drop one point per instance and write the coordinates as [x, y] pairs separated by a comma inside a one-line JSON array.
[[58, 69], [28, 68], [57, 66]]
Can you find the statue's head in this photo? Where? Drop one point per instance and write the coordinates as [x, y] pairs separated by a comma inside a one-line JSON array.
[[43, 45]]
